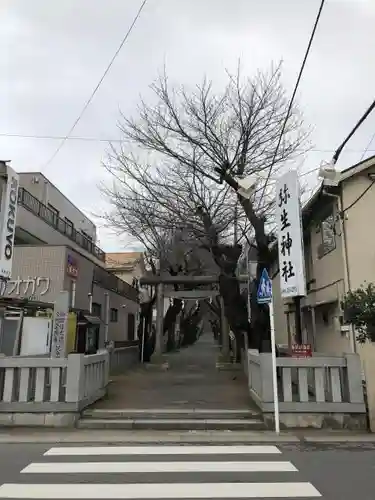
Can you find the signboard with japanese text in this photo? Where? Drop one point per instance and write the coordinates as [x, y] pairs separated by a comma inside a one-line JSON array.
[[72, 267], [9, 204], [301, 350], [289, 231], [60, 326]]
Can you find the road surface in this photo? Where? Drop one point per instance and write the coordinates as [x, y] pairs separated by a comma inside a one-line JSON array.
[[96, 471]]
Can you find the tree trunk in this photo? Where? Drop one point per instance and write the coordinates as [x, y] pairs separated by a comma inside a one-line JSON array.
[[169, 322], [144, 330], [235, 308], [259, 328]]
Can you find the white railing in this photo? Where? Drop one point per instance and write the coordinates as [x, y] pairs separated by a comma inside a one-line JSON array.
[[123, 358], [48, 384], [320, 384]]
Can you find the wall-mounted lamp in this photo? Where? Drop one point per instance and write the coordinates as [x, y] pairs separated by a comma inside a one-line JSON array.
[[329, 174]]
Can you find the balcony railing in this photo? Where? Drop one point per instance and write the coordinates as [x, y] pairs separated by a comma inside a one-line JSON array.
[[31, 203], [110, 281]]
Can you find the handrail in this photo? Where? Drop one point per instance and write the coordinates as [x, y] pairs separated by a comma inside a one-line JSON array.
[[28, 201]]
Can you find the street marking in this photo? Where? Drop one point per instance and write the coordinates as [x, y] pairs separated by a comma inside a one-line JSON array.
[[131, 467], [159, 491], [176, 411], [163, 450]]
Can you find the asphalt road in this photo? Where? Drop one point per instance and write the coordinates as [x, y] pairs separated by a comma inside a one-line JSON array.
[[336, 472]]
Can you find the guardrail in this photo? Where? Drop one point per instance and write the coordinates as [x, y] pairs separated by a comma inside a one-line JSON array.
[[316, 385]]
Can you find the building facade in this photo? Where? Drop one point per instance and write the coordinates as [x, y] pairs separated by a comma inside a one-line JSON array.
[[40, 273], [126, 265], [339, 256], [55, 250], [46, 217]]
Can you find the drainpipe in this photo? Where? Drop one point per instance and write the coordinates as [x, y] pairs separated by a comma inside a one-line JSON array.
[[344, 250], [106, 317], [73, 300], [90, 302]]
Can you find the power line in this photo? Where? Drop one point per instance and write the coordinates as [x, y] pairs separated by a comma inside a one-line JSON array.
[[60, 137], [109, 139], [88, 102], [366, 150], [353, 131], [292, 99]]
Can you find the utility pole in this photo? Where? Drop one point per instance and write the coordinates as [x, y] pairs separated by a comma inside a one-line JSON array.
[[235, 224]]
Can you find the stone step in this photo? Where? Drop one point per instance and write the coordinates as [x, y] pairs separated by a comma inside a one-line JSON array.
[[166, 413], [163, 424]]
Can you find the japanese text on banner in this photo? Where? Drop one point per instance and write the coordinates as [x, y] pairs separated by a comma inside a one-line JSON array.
[[291, 262]]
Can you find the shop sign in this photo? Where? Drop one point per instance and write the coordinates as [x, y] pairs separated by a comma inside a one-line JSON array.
[[301, 350], [72, 267]]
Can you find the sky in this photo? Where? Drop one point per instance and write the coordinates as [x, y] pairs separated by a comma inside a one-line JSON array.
[[54, 53]]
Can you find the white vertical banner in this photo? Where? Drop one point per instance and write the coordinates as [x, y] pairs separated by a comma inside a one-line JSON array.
[[290, 236], [9, 202], [60, 325]]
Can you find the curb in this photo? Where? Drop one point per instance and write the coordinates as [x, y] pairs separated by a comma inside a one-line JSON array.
[[27, 436]]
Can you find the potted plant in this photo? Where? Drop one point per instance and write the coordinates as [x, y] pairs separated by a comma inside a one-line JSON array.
[[359, 310]]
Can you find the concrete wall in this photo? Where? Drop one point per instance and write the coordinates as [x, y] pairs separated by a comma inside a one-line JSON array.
[[361, 253], [361, 239], [117, 330], [32, 262], [46, 192], [280, 318], [128, 276], [329, 338]]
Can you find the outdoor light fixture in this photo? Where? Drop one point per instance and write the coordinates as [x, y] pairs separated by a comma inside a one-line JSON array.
[[246, 186], [329, 174]]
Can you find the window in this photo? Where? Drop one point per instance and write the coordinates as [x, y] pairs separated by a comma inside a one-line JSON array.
[[96, 310], [328, 233], [69, 227], [114, 315], [308, 259], [55, 214]]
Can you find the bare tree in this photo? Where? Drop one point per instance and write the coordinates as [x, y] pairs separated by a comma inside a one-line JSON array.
[[196, 211], [160, 214], [224, 137]]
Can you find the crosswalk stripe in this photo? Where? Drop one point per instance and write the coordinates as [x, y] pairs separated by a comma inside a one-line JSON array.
[[163, 450], [159, 491], [135, 467]]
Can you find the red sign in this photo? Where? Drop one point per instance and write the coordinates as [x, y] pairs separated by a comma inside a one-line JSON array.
[[301, 350]]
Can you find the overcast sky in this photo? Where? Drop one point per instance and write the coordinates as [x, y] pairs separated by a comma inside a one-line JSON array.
[[54, 52]]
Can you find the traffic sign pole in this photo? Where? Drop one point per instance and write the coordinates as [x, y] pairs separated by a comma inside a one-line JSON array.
[[264, 296], [274, 370]]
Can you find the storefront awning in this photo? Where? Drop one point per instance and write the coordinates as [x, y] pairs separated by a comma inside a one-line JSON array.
[[87, 318]]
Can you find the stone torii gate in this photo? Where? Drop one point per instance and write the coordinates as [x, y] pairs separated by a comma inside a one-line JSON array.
[[160, 281]]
